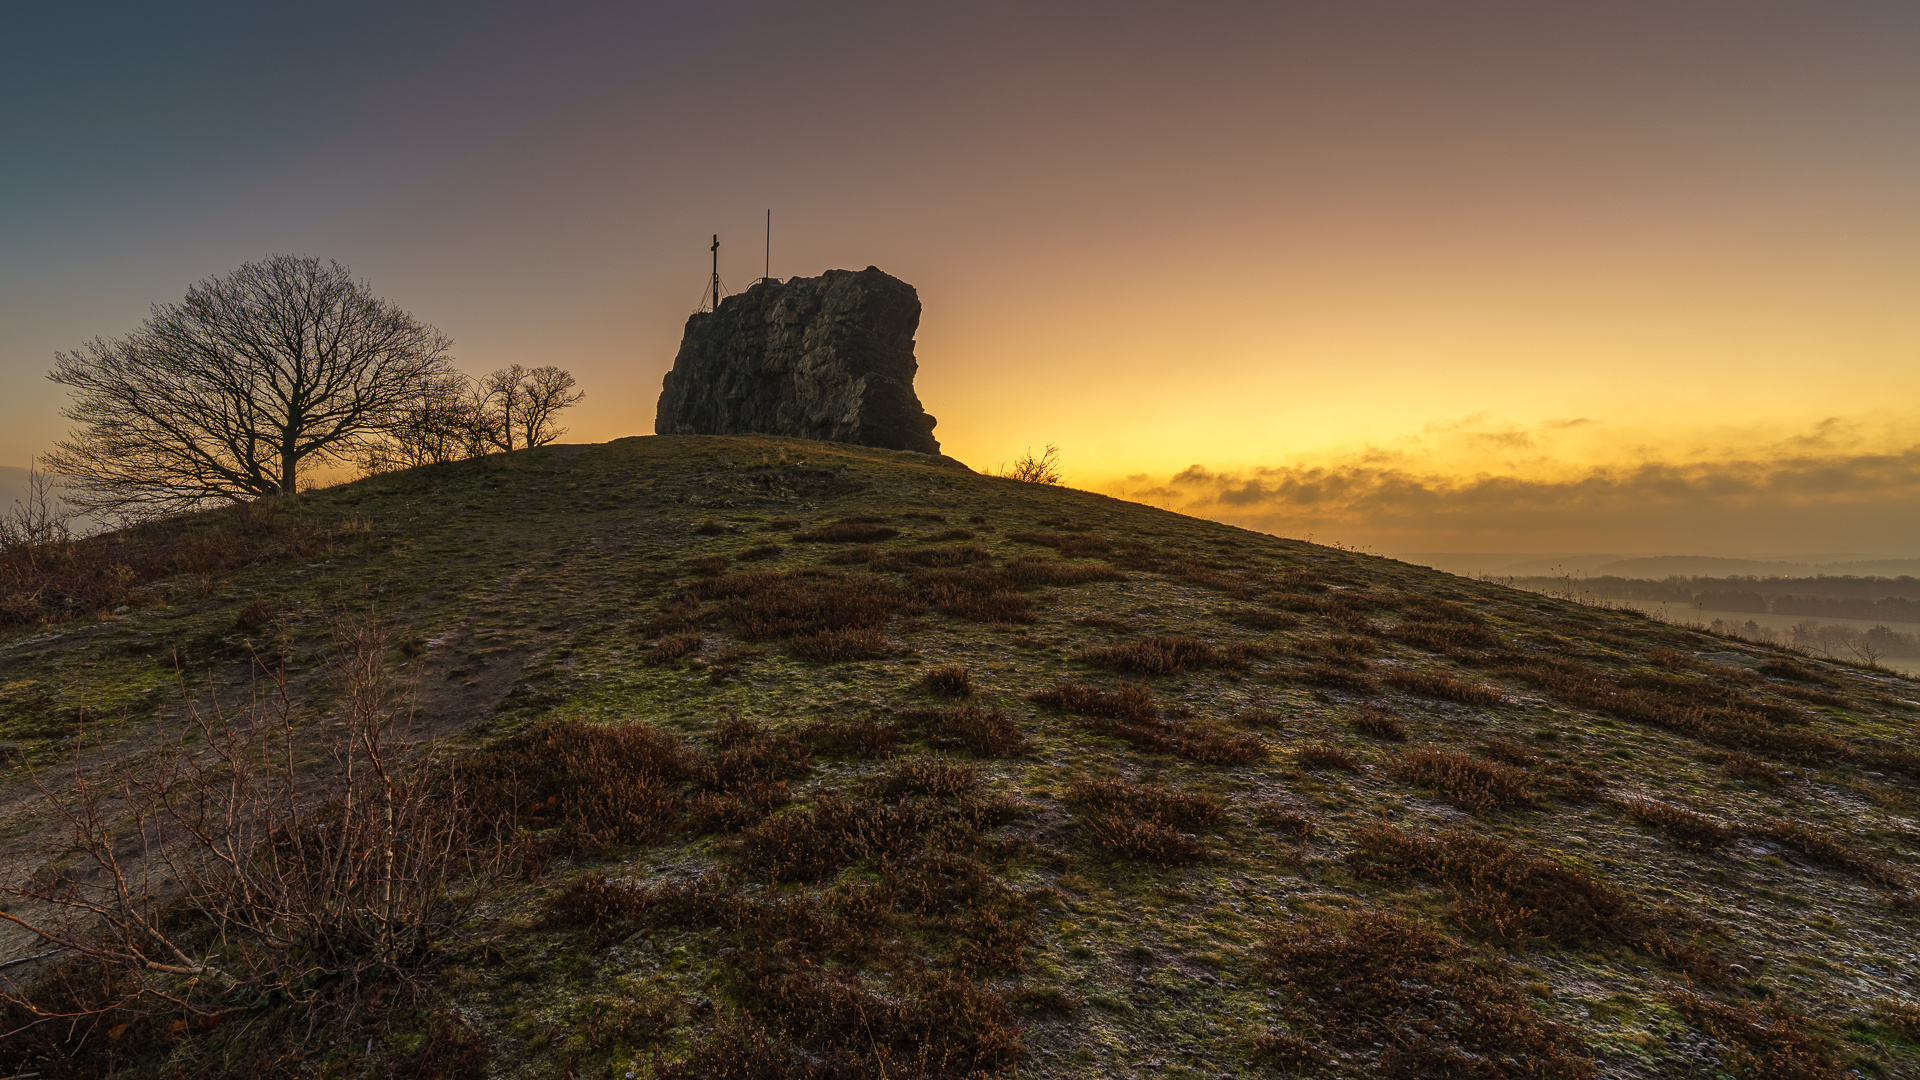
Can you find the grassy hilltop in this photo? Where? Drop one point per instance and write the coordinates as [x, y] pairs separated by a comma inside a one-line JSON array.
[[820, 761]]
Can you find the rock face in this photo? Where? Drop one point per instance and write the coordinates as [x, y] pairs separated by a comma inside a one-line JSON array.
[[829, 357]]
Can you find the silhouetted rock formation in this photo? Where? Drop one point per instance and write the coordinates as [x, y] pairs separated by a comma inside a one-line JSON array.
[[829, 357]]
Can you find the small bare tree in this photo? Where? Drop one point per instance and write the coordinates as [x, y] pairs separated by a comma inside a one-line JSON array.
[[1044, 469], [443, 424], [223, 868], [518, 405], [225, 396]]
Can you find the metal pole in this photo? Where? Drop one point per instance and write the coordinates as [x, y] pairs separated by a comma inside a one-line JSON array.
[[767, 270], [714, 285]]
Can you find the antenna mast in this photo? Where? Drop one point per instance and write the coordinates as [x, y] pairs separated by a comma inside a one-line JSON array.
[[767, 271]]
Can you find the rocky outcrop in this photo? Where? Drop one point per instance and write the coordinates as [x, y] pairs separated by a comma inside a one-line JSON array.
[[829, 357]]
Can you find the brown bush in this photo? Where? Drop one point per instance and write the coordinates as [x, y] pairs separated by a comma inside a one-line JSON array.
[[1292, 824], [1168, 655], [841, 646], [46, 576], [1129, 714], [1446, 687], [763, 605], [1261, 718], [1687, 828], [1562, 779], [1340, 678], [1501, 890], [926, 778], [1374, 979], [588, 786], [1070, 543], [1782, 668], [977, 729], [674, 647], [847, 532], [867, 736], [1831, 850], [1380, 724], [959, 555], [1322, 756], [980, 593], [1779, 1044], [1261, 619], [1135, 838], [1450, 638], [1033, 571], [948, 681], [759, 552], [1470, 784], [1188, 810]]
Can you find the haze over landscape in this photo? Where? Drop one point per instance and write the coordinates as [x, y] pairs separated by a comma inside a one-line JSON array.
[[1633, 278]]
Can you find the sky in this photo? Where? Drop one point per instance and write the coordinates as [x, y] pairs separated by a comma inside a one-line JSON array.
[[1478, 276]]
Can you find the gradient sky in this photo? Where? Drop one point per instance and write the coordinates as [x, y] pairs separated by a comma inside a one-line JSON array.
[[1633, 277]]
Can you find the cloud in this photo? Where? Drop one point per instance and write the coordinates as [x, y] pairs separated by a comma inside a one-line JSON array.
[[1778, 500]]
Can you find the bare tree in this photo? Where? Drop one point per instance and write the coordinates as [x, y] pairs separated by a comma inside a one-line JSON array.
[[1044, 469], [518, 405], [443, 424], [226, 395]]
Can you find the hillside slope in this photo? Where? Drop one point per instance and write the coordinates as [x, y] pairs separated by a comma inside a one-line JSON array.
[[921, 772]]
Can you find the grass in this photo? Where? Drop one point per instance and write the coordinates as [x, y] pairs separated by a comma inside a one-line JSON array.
[[1035, 798]]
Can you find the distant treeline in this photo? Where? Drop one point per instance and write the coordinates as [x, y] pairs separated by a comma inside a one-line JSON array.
[[1827, 639], [1886, 599]]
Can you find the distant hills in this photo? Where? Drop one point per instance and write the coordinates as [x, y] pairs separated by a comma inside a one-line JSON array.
[[1656, 567]]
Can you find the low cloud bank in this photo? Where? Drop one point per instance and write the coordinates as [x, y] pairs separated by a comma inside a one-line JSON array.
[[1814, 502]]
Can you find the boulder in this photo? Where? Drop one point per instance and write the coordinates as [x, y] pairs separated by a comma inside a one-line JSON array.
[[828, 357]]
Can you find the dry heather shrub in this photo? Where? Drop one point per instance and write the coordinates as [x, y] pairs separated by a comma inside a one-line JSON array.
[[1501, 890], [1380, 724], [1783, 668], [1374, 979], [1189, 810], [1901, 1016], [1033, 571], [674, 647], [1446, 687], [710, 527], [1168, 655], [1447, 638], [979, 593], [1129, 714], [1128, 701], [866, 736], [841, 646], [847, 531], [928, 779], [1563, 779], [977, 729], [1747, 767], [1137, 821], [1778, 1044], [1468, 783], [1339, 678], [760, 552], [1687, 828], [948, 681], [1292, 824], [1831, 850], [1323, 756], [1070, 543], [958, 555], [599, 787], [710, 566], [1261, 718], [1261, 619], [765, 605]]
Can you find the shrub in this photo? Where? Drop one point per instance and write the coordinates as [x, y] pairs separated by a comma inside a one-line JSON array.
[[1832, 850], [1129, 714], [1032, 571], [1501, 890], [1261, 619], [867, 736], [1380, 724], [1044, 469], [1782, 668], [958, 555], [1375, 979], [1687, 828], [675, 647], [980, 593], [1778, 1043], [1747, 767], [762, 551], [1358, 682], [1322, 756], [1187, 810], [1435, 684], [927, 778], [765, 605], [977, 729], [841, 646], [1070, 543], [1289, 823], [847, 532], [1468, 783], [948, 681], [1135, 838], [1167, 655]]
